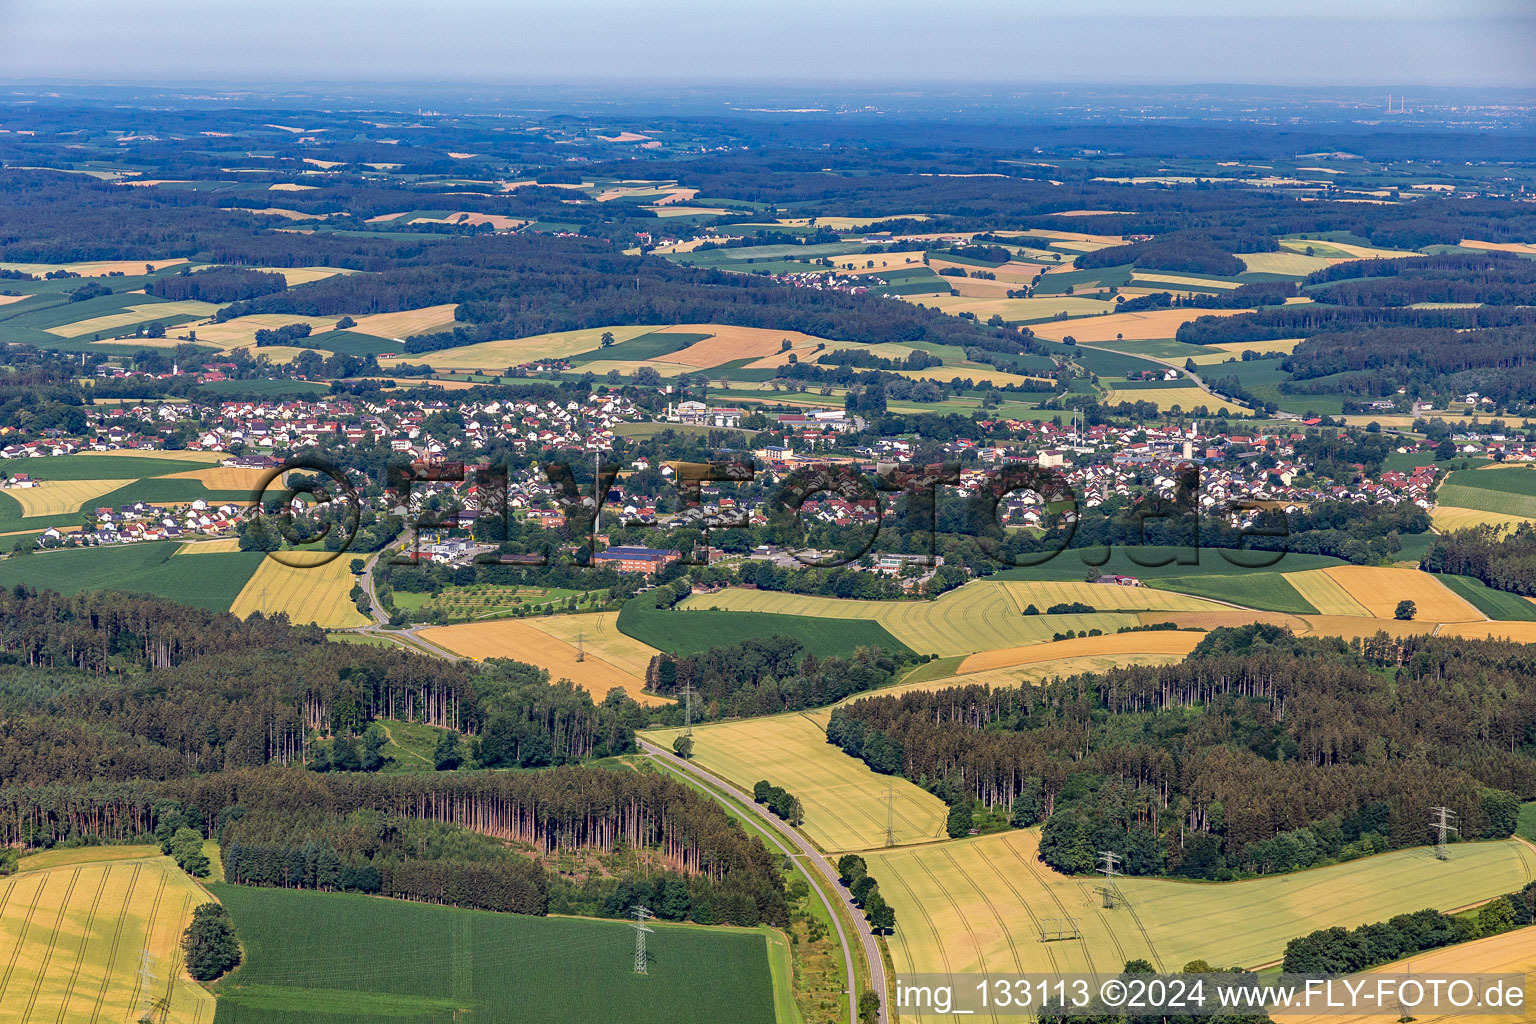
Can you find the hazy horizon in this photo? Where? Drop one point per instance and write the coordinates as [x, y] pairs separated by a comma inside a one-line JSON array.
[[680, 43]]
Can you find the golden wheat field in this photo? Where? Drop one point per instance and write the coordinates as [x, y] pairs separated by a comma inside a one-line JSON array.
[[1290, 263], [1030, 673], [406, 322], [1351, 626], [304, 275], [1017, 309], [224, 478], [1449, 518], [71, 935], [496, 355], [845, 804], [95, 268], [135, 314], [1324, 592], [1524, 632], [1379, 590], [1166, 398], [1101, 596], [241, 330], [1510, 953], [1152, 323], [219, 545], [728, 344], [1159, 642], [184, 455], [599, 632], [1224, 617], [521, 640], [58, 497], [314, 593], [1160, 280]]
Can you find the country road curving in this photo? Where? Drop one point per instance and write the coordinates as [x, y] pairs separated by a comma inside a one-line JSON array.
[[810, 855]]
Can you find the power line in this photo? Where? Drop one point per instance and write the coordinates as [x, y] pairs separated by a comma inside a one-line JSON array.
[[146, 976], [1109, 867], [641, 915], [1441, 822], [890, 812], [687, 693]]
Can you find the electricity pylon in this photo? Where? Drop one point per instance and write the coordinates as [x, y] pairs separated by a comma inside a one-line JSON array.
[[1441, 823], [641, 915]]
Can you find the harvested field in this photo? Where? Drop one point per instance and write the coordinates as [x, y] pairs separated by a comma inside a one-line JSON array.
[[209, 547], [59, 497], [497, 355], [521, 640], [406, 322], [1101, 597], [1449, 518], [224, 478], [1523, 247], [242, 330], [97, 268], [495, 220], [732, 343], [304, 275], [977, 617], [1522, 632], [1324, 593], [1379, 590], [1159, 279], [1166, 398], [1158, 642], [1218, 619], [1292, 264], [945, 374], [72, 934], [139, 313], [599, 631], [845, 803], [1153, 323], [317, 593], [1237, 348]]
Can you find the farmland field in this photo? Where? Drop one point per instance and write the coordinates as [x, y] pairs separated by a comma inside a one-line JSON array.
[[1380, 589], [140, 313], [1166, 398], [91, 466], [406, 322], [1507, 490], [1172, 642], [690, 632], [1523, 632], [1449, 518], [57, 497], [1153, 323], [1513, 952], [977, 617], [318, 594], [1100, 596], [71, 934], [520, 639], [1323, 592], [974, 905], [344, 959], [599, 631], [496, 355], [211, 581], [845, 802], [1269, 591], [242, 330], [1496, 604]]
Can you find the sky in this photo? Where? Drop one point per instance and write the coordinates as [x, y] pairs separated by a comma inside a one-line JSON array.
[[1485, 43]]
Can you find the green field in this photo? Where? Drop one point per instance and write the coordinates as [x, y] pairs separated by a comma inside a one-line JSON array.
[[1073, 563], [845, 803], [1509, 490], [333, 958], [1269, 591], [352, 343], [101, 467], [646, 347], [1527, 824], [265, 388], [207, 581], [1496, 604], [980, 616], [690, 632], [165, 490]]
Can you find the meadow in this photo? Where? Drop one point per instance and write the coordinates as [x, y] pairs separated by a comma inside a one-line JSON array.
[[525, 640], [307, 593], [977, 617], [336, 958], [209, 581], [1495, 604], [977, 904], [845, 803], [113, 465], [72, 929]]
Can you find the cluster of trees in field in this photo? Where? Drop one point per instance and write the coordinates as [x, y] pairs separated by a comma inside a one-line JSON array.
[[1503, 561], [778, 800], [1346, 950], [1256, 293], [853, 872], [918, 359], [217, 284], [1495, 278], [1262, 752], [284, 335], [210, 945], [768, 675], [1178, 252]]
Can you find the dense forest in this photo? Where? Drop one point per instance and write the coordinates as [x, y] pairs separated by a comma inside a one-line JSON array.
[[1495, 278], [1262, 752], [1503, 561]]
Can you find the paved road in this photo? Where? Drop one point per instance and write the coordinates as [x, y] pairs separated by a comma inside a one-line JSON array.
[[809, 855]]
